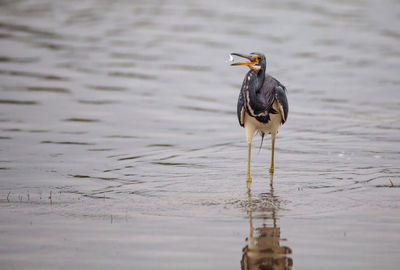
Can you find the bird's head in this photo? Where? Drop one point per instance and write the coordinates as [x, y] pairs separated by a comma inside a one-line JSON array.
[[256, 62]]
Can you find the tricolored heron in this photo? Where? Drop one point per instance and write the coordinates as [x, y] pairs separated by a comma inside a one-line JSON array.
[[262, 104]]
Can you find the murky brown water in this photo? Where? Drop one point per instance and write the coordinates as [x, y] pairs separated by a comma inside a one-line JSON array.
[[120, 146]]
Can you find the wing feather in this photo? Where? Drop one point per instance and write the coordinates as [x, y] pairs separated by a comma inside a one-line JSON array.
[[280, 95], [240, 109]]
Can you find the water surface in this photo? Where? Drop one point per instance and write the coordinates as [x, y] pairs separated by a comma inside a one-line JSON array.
[[120, 146]]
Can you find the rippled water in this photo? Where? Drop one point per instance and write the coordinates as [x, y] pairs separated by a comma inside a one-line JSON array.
[[120, 145]]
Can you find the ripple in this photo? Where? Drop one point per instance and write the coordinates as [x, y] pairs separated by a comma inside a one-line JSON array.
[[99, 178], [52, 46], [202, 98], [33, 75], [73, 132], [49, 89], [97, 102], [171, 163], [12, 129], [185, 28], [390, 33], [132, 75], [187, 68], [30, 30], [334, 100], [18, 102], [178, 164], [106, 88], [100, 149], [169, 157], [202, 109], [160, 145], [306, 55], [129, 158], [135, 56], [67, 142], [121, 136], [22, 60], [77, 60], [86, 120]]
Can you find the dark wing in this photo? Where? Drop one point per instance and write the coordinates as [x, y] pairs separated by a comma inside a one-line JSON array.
[[240, 109], [260, 102], [265, 97], [280, 95]]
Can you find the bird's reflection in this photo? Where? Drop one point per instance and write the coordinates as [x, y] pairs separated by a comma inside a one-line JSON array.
[[264, 249]]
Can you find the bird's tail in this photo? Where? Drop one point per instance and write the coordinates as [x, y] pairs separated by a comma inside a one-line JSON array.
[[262, 139]]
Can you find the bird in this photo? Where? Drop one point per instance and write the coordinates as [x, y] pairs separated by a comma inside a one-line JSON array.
[[262, 104]]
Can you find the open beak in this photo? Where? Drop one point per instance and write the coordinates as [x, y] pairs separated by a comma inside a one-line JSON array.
[[249, 57]]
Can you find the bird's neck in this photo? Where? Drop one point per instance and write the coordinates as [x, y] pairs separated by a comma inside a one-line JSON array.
[[255, 82], [260, 77]]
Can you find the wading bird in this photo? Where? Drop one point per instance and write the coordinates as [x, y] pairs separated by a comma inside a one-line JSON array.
[[262, 104]]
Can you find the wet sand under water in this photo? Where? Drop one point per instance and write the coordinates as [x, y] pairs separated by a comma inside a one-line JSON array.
[[120, 147]]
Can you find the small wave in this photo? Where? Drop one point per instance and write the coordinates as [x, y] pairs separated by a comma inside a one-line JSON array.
[[97, 102], [33, 75], [81, 120], [128, 158], [106, 88], [49, 89], [29, 30], [132, 75], [21, 60], [18, 102], [67, 142]]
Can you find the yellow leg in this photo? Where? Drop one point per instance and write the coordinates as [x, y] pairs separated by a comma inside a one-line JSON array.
[[271, 168], [248, 165], [250, 129]]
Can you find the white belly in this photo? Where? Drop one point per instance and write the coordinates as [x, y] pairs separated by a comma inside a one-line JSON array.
[[251, 124]]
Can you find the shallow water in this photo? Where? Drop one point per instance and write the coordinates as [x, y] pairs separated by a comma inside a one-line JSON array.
[[120, 145]]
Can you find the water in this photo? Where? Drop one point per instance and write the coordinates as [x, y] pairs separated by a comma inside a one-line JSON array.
[[120, 146]]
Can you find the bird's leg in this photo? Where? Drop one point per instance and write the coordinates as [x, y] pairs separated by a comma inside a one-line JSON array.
[[248, 178], [271, 168], [250, 129]]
